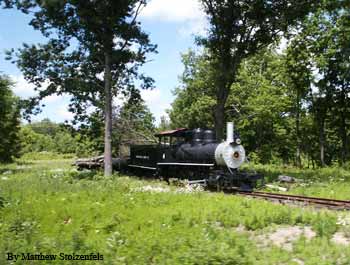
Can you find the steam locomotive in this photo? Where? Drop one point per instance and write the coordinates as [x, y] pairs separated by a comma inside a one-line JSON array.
[[195, 155]]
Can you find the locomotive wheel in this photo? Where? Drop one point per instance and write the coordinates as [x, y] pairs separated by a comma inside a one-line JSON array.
[[163, 174], [220, 183]]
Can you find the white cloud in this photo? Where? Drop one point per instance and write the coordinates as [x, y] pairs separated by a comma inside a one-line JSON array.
[[163, 108], [56, 106], [119, 100], [157, 102], [193, 27], [21, 87], [64, 114], [52, 99], [173, 10], [187, 12], [24, 89], [151, 96]]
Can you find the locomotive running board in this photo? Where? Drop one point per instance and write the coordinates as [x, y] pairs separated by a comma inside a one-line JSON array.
[[202, 181], [185, 164], [151, 168]]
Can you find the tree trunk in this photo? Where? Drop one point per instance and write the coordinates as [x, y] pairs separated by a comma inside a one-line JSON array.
[[219, 120], [108, 116], [343, 139], [322, 140], [297, 129], [224, 84], [343, 127], [226, 77]]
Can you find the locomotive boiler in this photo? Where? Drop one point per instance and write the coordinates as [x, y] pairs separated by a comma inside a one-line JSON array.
[[195, 155]]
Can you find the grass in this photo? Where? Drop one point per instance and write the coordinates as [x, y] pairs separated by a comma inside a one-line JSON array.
[[329, 182], [49, 208]]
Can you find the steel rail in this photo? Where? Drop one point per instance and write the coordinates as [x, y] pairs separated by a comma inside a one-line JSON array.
[[324, 202]]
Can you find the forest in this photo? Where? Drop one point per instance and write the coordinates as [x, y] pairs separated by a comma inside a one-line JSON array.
[[289, 99], [280, 70]]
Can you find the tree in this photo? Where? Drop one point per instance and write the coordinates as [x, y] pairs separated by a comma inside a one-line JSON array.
[[323, 43], [132, 123], [87, 39], [47, 136], [164, 124], [320, 108], [298, 64], [336, 75], [32, 141], [259, 103], [238, 29], [45, 127], [195, 97], [261, 106], [9, 121]]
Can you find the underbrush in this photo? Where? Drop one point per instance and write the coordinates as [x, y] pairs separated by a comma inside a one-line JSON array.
[[45, 156], [328, 182], [326, 174], [51, 208]]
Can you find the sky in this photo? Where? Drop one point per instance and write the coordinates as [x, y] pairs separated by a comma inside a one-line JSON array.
[[171, 24]]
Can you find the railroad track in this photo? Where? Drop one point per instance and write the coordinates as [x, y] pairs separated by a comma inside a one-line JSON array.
[[304, 200]]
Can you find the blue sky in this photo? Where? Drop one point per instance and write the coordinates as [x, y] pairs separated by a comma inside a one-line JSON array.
[[171, 24]]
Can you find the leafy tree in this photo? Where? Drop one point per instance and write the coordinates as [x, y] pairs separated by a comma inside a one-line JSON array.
[[259, 103], [195, 97], [262, 106], [47, 136], [322, 43], [133, 124], [9, 121], [45, 127], [298, 64], [320, 109], [334, 64], [239, 29], [87, 39], [92, 128], [32, 141]]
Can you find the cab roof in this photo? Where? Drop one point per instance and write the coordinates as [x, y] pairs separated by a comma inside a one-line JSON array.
[[174, 133]]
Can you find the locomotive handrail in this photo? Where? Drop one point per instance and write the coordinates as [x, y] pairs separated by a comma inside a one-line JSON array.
[[185, 164]]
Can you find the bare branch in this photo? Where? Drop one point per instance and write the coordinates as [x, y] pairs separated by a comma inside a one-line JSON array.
[[137, 12]]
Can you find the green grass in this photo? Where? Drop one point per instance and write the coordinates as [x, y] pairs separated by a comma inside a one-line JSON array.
[[49, 207], [329, 182]]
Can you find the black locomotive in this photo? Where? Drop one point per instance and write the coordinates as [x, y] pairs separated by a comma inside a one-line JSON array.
[[195, 155]]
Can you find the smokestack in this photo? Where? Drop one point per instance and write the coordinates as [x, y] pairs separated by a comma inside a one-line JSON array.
[[229, 132]]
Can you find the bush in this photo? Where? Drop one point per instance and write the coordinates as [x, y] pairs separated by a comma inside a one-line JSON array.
[[59, 141], [325, 225], [46, 156]]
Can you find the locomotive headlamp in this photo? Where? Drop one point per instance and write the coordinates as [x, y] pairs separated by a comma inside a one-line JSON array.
[[238, 141]]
